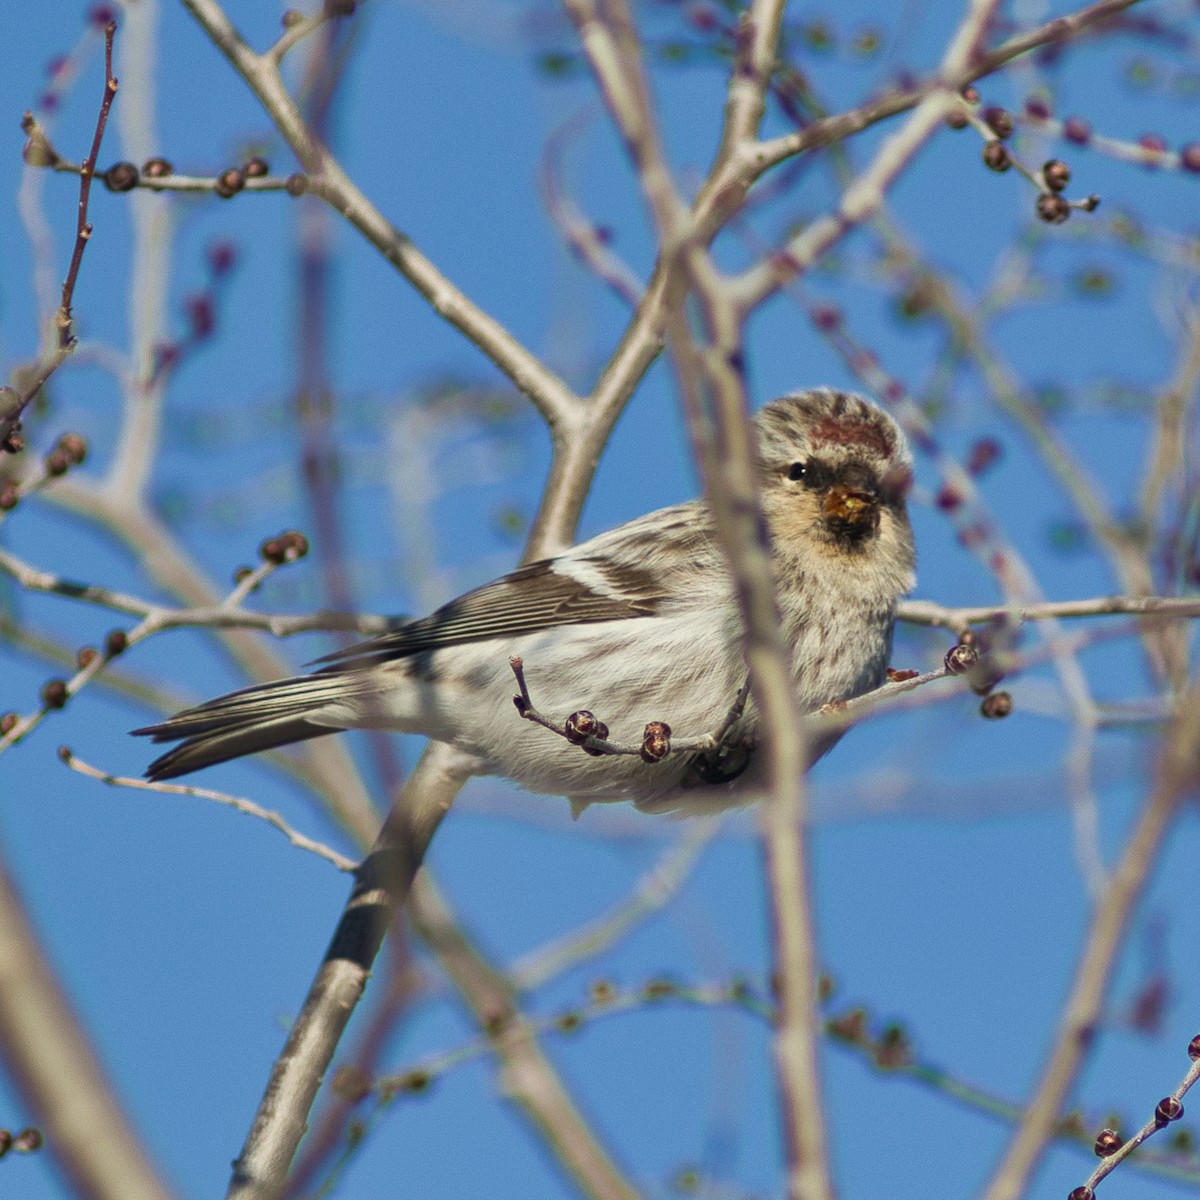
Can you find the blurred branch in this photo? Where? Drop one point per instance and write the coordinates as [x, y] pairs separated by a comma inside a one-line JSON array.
[[986, 62], [650, 894], [527, 1077], [1176, 778], [888, 1050], [927, 612], [712, 384], [50, 1059]]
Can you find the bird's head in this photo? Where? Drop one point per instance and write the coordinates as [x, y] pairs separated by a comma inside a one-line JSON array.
[[836, 472]]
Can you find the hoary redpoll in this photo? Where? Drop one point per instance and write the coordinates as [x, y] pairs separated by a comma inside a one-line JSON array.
[[636, 626]]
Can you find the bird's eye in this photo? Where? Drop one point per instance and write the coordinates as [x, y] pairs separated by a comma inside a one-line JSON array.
[[797, 471]]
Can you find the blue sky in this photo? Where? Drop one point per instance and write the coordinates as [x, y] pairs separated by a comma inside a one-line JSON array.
[[187, 934]]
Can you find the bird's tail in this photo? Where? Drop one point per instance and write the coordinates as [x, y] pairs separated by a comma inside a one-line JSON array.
[[244, 722]]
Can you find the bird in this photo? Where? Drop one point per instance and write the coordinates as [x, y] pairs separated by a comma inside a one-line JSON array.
[[636, 625]]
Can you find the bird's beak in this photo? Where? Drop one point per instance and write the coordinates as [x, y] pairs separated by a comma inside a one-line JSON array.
[[850, 508]]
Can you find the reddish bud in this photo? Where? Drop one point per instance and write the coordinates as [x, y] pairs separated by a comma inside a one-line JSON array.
[[86, 656], [291, 17], [74, 446], [121, 177], [948, 498], [956, 119], [1083, 1192], [996, 156], [1108, 1141], [961, 658], [997, 706], [999, 121], [116, 642], [1057, 174], [1077, 130], [580, 726], [600, 734], [893, 1050], [157, 168], [166, 355], [54, 693], [297, 184], [983, 454], [656, 742], [286, 548], [200, 314], [242, 573], [1194, 1048], [6, 1141], [1154, 148], [256, 167], [1054, 210], [1189, 157], [56, 463], [895, 676], [9, 496], [602, 992], [229, 183], [660, 989], [850, 1026], [826, 317], [1038, 107], [102, 15], [973, 536], [1168, 1109], [971, 94], [8, 722], [28, 1140], [415, 1082], [222, 257], [703, 18]]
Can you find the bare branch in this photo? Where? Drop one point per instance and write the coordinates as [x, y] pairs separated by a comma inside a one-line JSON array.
[[238, 803], [556, 402]]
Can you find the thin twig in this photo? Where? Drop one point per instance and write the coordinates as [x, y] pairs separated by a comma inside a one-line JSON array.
[[10, 420], [1168, 1109], [87, 171], [238, 803], [598, 743], [650, 894]]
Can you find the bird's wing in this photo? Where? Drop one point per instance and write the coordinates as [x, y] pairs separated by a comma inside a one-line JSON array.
[[539, 596], [632, 571]]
